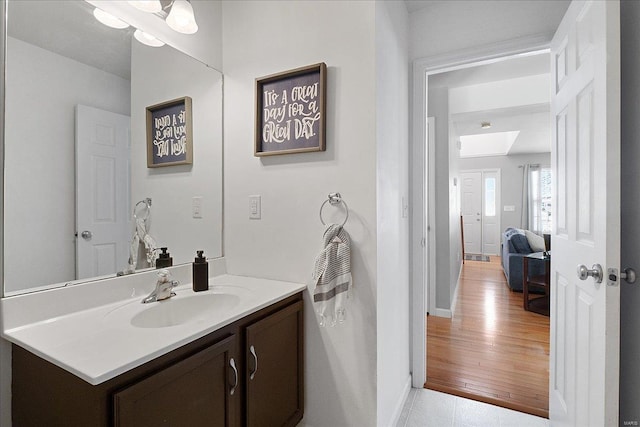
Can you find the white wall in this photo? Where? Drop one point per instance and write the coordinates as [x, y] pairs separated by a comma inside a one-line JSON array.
[[392, 69], [163, 74], [43, 89], [630, 231], [447, 216], [446, 26], [265, 37], [455, 237], [510, 180], [511, 93]]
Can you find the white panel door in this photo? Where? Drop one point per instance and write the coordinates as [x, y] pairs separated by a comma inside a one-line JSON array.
[[585, 108], [490, 213], [471, 185], [103, 222]]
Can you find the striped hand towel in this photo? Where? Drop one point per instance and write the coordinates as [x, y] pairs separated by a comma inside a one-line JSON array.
[[332, 276]]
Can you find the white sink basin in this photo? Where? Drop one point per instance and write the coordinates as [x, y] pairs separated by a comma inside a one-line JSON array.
[[186, 307], [174, 311]]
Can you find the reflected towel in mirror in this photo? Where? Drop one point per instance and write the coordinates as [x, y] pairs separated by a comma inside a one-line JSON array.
[[141, 235]]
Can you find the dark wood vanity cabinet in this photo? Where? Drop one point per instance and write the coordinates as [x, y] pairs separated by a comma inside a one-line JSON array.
[[194, 385], [275, 369], [196, 391]]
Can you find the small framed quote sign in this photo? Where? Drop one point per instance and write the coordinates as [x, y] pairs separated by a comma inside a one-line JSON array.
[[170, 133], [290, 111]]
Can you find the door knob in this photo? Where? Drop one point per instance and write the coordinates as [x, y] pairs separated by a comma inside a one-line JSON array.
[[629, 275], [86, 235], [595, 272]]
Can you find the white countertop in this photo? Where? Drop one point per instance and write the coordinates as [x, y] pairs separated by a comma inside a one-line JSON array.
[[99, 343]]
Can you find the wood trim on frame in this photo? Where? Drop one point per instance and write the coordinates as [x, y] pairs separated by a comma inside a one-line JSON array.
[[188, 123]]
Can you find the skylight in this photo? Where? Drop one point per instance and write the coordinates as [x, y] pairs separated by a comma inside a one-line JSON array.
[[487, 144]]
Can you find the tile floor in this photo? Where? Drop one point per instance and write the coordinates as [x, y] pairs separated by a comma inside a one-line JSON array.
[[428, 408]]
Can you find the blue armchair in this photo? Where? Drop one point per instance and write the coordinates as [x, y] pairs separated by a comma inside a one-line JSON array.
[[515, 247]]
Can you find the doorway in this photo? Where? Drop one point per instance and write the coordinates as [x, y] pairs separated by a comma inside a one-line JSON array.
[[585, 69], [483, 145]]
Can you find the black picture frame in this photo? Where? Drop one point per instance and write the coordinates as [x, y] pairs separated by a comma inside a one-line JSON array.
[[290, 114]]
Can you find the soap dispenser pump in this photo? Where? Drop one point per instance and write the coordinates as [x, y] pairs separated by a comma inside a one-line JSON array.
[[200, 273], [164, 259]]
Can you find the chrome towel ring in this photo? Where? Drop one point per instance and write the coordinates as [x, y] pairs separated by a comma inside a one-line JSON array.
[[335, 199], [147, 204]]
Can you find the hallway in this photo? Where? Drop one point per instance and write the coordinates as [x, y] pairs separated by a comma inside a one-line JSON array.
[[492, 350]]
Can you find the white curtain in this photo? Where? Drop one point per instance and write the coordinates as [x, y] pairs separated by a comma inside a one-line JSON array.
[[529, 217]]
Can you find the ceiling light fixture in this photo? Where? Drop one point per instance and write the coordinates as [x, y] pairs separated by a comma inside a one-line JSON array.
[[148, 39], [485, 125], [108, 19], [151, 6], [181, 17]]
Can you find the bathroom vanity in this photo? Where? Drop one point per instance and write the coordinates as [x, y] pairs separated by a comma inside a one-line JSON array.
[[126, 367]]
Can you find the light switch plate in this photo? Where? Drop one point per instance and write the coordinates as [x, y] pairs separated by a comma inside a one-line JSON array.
[[196, 207], [405, 207], [255, 207]]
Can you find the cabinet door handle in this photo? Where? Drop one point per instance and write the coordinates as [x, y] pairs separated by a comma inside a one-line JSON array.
[[255, 359], [232, 363]]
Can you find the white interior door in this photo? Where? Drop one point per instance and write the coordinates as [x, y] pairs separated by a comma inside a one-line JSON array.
[[585, 108], [103, 222], [472, 211], [491, 213]]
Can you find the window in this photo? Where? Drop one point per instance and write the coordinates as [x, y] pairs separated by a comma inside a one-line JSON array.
[[540, 200], [545, 200], [489, 197]]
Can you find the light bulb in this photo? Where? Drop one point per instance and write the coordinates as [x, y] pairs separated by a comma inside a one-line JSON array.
[[181, 18], [148, 39], [108, 19], [151, 6]]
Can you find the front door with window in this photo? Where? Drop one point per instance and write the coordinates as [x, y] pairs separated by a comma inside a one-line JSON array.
[[472, 211], [480, 191]]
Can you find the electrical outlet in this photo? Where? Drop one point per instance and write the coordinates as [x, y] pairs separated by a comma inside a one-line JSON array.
[[196, 207], [255, 208]]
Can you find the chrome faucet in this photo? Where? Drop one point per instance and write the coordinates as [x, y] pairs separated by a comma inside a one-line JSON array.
[[163, 288]]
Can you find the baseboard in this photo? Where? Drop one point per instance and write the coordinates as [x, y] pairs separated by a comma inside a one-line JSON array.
[[454, 300], [401, 401], [442, 312], [449, 312]]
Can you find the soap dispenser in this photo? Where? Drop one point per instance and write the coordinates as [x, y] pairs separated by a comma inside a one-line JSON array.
[[164, 259], [200, 273]]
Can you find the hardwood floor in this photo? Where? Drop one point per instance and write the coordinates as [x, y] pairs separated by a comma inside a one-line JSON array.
[[492, 350]]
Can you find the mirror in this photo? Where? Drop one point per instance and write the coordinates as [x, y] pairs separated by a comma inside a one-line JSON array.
[[71, 80]]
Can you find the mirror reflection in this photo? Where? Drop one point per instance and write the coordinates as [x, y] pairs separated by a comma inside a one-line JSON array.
[[76, 150]]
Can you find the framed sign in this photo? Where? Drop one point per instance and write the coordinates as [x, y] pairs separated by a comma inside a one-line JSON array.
[[170, 133], [290, 111]]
